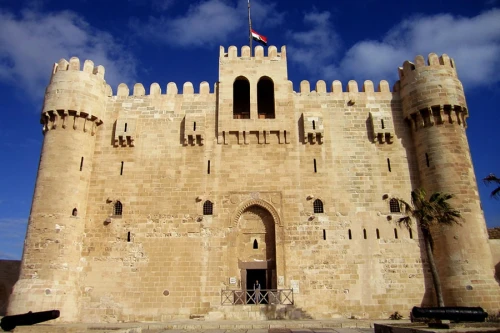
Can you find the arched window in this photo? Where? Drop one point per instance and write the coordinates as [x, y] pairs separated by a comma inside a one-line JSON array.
[[241, 98], [74, 212], [255, 244], [265, 98], [394, 206], [208, 208], [118, 209], [318, 206]]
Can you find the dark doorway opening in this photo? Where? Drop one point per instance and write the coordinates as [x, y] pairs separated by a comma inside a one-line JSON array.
[[252, 276]]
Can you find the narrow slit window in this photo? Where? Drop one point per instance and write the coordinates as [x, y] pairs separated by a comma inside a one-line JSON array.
[[118, 209], [121, 169], [394, 206], [125, 129], [382, 123], [284, 134], [350, 234], [378, 234], [255, 244], [81, 164], [389, 164], [395, 233], [208, 208], [315, 169], [318, 206], [128, 236], [364, 233], [314, 125], [427, 160], [74, 212], [194, 126], [411, 233], [324, 234], [208, 167]]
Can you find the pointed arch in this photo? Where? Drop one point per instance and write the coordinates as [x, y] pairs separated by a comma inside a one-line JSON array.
[[257, 202]]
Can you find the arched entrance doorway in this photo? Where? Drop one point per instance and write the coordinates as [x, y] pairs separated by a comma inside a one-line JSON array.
[[256, 248]]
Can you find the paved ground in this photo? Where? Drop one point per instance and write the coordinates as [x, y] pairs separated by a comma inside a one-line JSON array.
[[272, 330]]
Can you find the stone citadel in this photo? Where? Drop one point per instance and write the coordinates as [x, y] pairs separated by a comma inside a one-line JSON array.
[[155, 206]]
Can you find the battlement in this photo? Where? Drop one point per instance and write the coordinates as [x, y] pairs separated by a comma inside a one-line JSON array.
[[336, 87], [433, 61], [74, 65], [155, 89], [272, 53]]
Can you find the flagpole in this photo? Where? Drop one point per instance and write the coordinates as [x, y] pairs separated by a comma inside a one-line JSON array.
[[250, 28]]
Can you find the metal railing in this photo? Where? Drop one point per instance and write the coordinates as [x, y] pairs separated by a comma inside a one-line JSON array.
[[264, 296]]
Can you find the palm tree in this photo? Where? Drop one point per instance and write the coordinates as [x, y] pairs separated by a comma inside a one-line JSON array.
[[434, 211], [493, 179]]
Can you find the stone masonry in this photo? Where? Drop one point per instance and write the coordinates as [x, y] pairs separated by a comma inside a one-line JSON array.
[[147, 206]]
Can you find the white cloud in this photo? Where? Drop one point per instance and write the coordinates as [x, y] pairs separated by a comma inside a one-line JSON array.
[[32, 42], [209, 22], [474, 43]]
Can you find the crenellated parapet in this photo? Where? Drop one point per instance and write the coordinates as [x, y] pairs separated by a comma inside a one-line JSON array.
[[75, 97], [155, 90], [244, 54], [431, 92], [336, 87]]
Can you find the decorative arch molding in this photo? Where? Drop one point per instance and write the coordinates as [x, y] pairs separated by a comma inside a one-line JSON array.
[[255, 202]]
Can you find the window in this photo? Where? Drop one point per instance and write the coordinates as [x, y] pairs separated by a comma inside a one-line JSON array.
[[394, 206], [74, 212], [318, 206], [125, 129], [255, 244], [118, 209], [378, 234], [427, 160], [382, 123], [81, 164], [315, 169], [411, 233], [324, 234], [128, 236], [208, 167], [265, 98], [364, 233], [350, 235], [121, 169], [389, 165], [395, 233], [208, 208], [241, 98], [314, 125]]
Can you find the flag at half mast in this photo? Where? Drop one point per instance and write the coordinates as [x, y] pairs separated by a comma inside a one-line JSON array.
[[258, 37]]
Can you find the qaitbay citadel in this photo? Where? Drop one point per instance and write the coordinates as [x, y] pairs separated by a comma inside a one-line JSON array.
[[152, 204]]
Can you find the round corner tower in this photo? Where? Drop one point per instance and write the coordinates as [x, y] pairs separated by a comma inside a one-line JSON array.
[[74, 103], [434, 105]]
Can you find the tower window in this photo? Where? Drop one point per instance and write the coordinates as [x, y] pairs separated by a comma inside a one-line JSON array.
[[318, 206], [194, 126], [314, 125], [394, 206], [121, 169], [125, 129], [389, 164], [241, 98], [395, 233], [74, 212], [378, 234], [324, 234], [315, 169], [81, 164], [128, 236], [411, 233], [255, 244], [208, 167], [427, 160], [364, 233], [208, 208], [118, 209], [265, 98], [382, 123], [350, 234]]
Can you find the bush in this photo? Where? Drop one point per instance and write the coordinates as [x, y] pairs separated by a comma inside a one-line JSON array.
[[396, 316]]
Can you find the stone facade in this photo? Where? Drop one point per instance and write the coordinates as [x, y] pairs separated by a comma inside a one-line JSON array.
[[147, 206]]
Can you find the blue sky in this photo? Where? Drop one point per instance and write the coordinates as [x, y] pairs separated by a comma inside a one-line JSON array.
[[177, 40]]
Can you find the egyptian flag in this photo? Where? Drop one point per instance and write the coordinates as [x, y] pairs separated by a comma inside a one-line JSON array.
[[259, 38]]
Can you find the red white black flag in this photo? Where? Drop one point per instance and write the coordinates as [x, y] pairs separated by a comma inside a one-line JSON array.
[[259, 38]]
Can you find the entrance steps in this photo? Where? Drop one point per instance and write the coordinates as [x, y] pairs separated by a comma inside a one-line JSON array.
[[257, 312]]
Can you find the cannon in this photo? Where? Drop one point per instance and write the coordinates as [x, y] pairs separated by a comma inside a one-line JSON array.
[[8, 323], [456, 313]]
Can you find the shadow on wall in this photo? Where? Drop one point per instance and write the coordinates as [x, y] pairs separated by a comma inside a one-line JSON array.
[[291, 312], [497, 272], [9, 274]]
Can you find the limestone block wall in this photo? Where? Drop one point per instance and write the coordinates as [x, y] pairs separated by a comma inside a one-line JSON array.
[[495, 255], [9, 273]]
